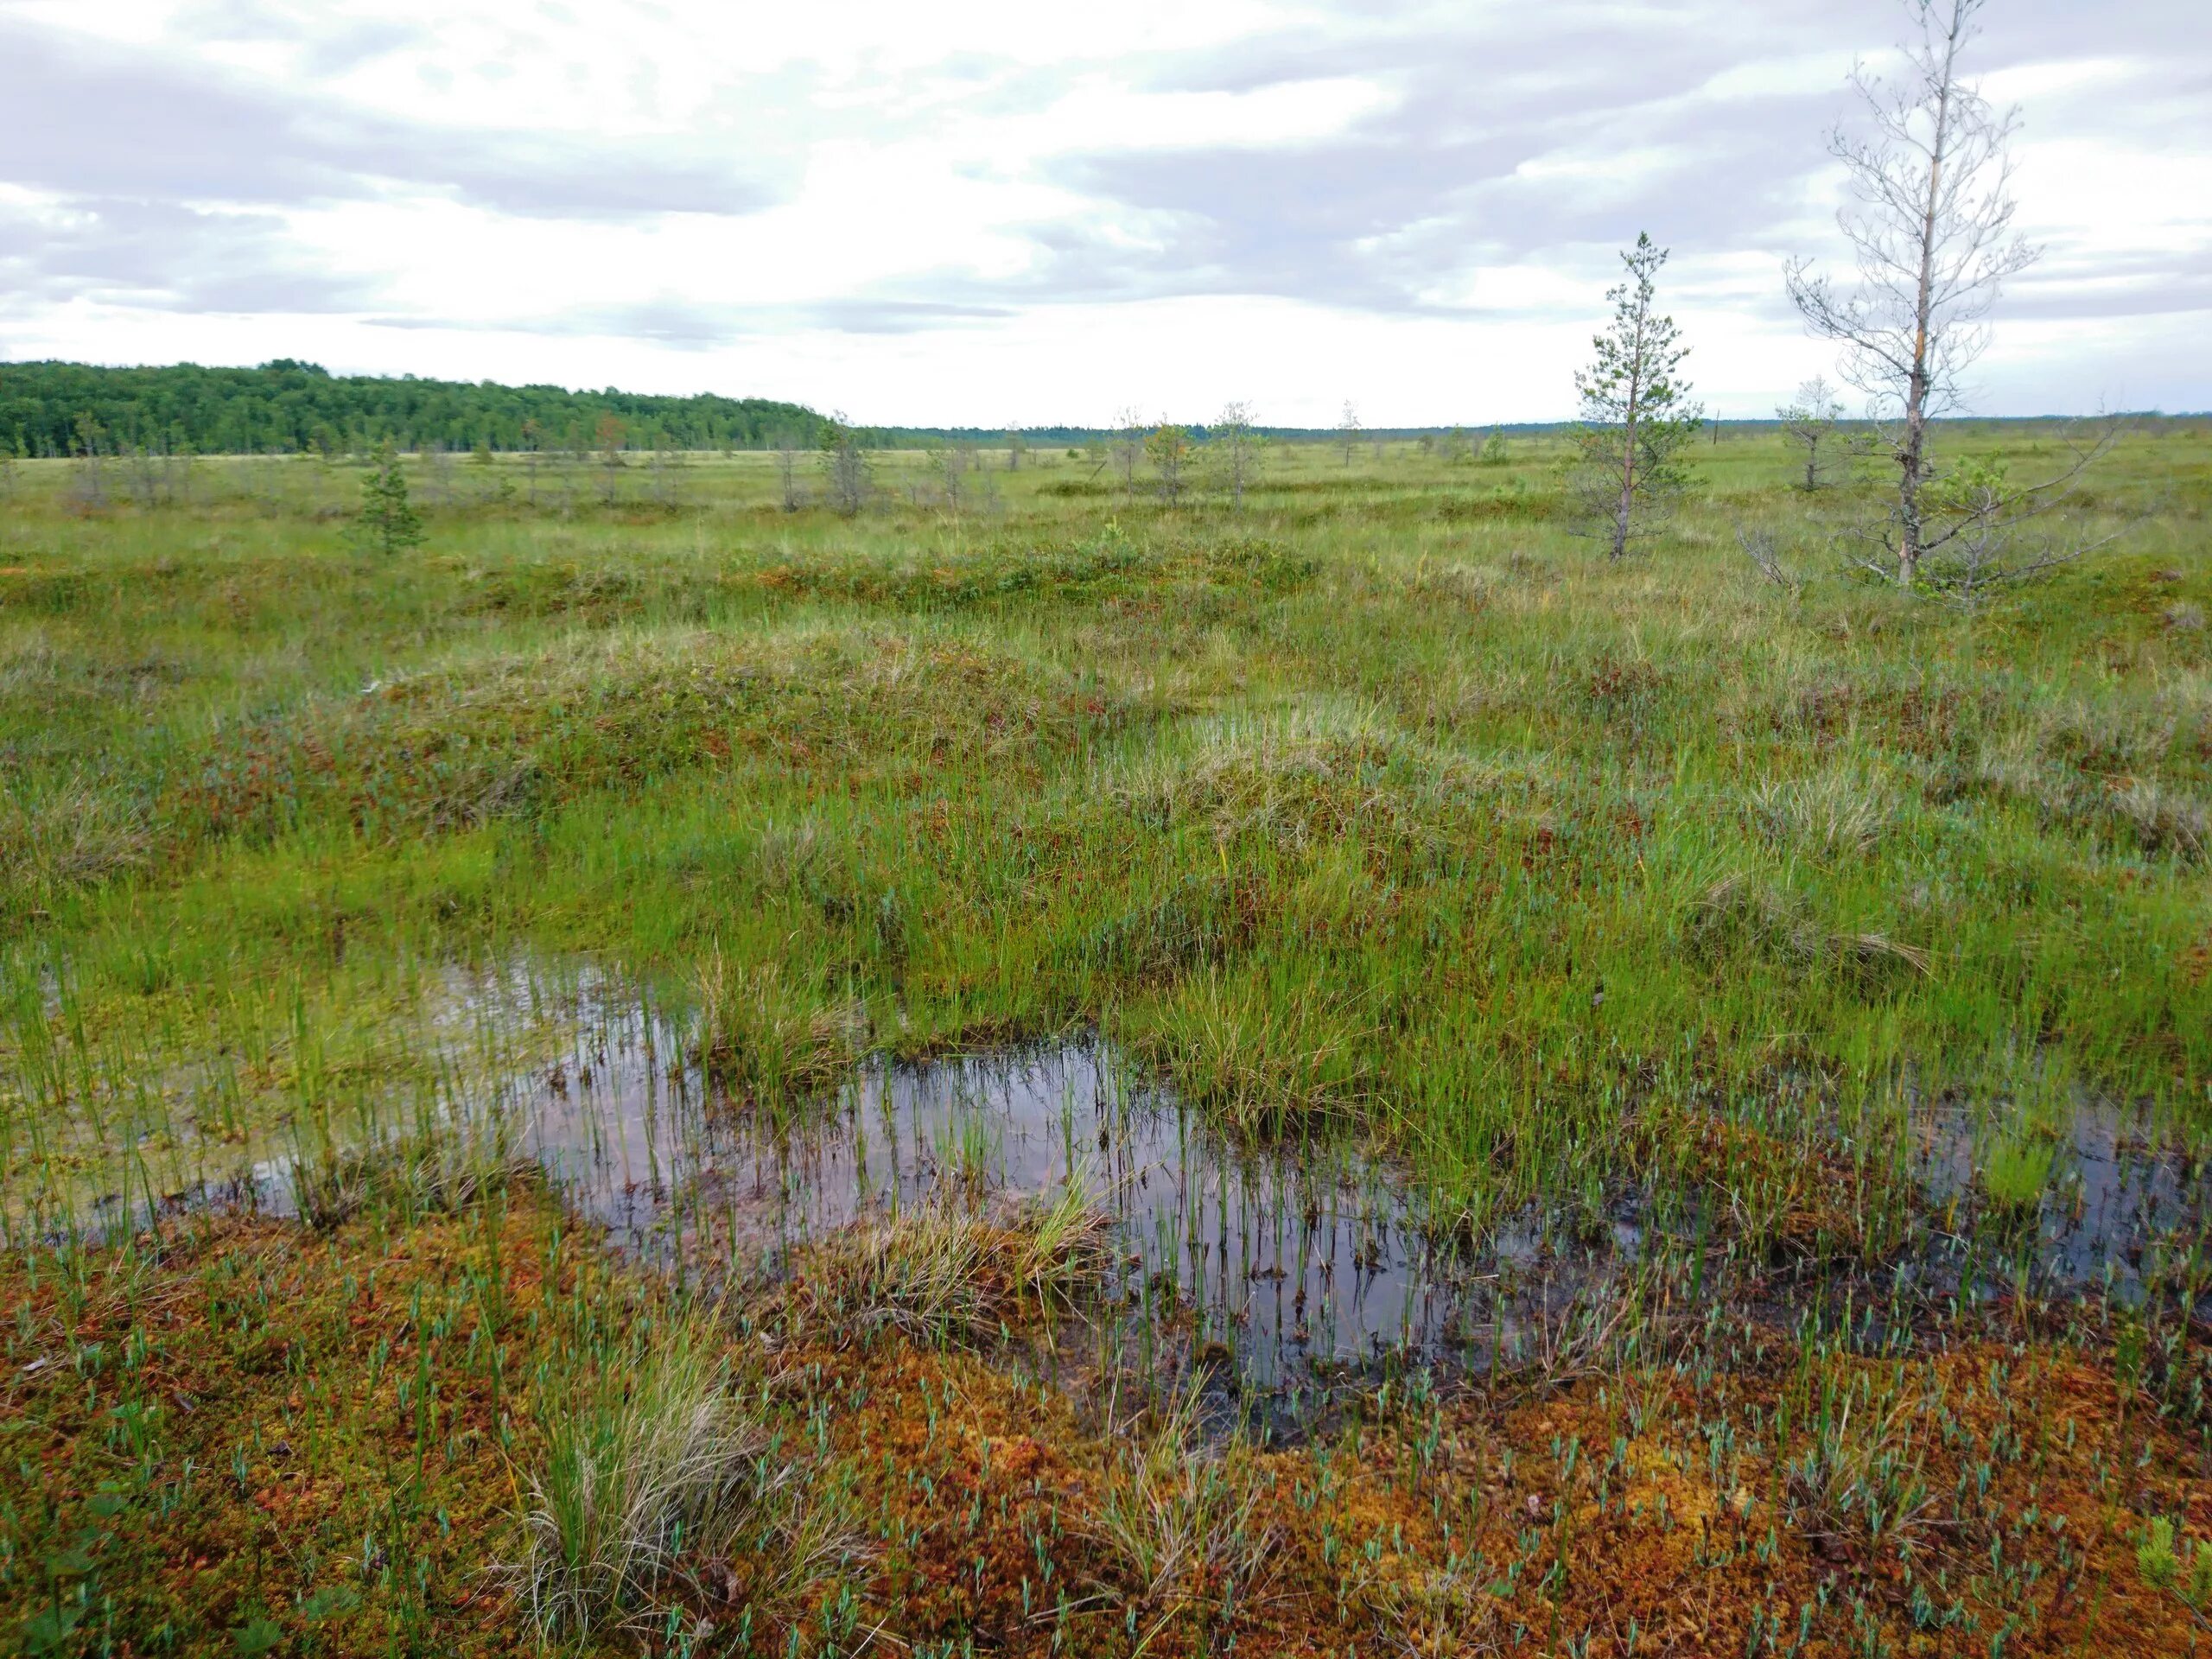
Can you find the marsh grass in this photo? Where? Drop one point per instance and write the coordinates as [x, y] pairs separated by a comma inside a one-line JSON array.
[[1861, 1473], [959, 1267], [1261, 1058], [762, 1044], [1742, 912], [666, 1483], [67, 834], [411, 1176], [2015, 1175], [1184, 1526]]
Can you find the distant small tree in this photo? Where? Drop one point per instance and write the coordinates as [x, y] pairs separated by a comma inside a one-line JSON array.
[[89, 445], [1636, 415], [1349, 428], [141, 472], [1238, 450], [1167, 447], [787, 468], [533, 440], [1017, 448], [844, 466], [1127, 449], [1457, 450], [950, 461], [387, 521], [1809, 421], [1494, 450], [666, 465], [609, 437]]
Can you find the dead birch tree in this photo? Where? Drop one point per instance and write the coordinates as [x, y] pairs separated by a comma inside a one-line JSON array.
[[1930, 225], [1349, 429]]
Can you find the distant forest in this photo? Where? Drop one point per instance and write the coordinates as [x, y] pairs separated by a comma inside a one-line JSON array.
[[286, 407], [50, 409]]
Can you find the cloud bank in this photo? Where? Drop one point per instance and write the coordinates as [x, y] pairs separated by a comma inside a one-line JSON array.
[[985, 213]]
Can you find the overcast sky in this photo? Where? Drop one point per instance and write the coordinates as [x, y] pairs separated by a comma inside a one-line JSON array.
[[978, 213]]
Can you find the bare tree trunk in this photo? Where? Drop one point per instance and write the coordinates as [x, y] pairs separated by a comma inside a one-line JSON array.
[[1911, 458], [1931, 230]]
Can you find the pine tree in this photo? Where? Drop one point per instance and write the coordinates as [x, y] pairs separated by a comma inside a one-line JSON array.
[[1636, 415], [387, 521]]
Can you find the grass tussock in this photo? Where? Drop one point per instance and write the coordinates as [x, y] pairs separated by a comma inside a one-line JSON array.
[[761, 1043], [73, 833], [1184, 1529], [1264, 1057], [1742, 914], [665, 1487], [1863, 1475], [520, 735], [1832, 815], [954, 1267]]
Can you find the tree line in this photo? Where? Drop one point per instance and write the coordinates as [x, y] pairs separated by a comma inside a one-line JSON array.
[[284, 407]]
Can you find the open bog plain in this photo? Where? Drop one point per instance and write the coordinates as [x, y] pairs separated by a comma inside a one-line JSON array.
[[1035, 1069]]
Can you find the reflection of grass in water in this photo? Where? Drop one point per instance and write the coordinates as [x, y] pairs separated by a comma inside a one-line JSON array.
[[967, 1151], [412, 1176]]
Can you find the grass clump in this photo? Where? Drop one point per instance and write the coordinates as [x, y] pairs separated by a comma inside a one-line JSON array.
[[1831, 814], [1861, 1474], [1184, 1529], [762, 1044], [1741, 913], [1266, 1057], [411, 1176], [954, 1267], [66, 835], [2015, 1175], [664, 1488]]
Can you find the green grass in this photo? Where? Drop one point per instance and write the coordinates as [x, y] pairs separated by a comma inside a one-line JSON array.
[[1351, 803]]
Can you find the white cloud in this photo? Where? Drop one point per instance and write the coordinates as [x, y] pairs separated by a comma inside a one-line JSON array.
[[986, 211]]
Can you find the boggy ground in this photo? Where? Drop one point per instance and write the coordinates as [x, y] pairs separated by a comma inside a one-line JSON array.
[[1382, 809], [465, 1431]]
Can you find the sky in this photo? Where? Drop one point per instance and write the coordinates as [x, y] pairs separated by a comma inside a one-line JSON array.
[[975, 213]]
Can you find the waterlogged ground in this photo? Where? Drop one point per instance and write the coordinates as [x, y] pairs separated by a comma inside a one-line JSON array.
[[1303, 1262], [1298, 1265], [1042, 1072]]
